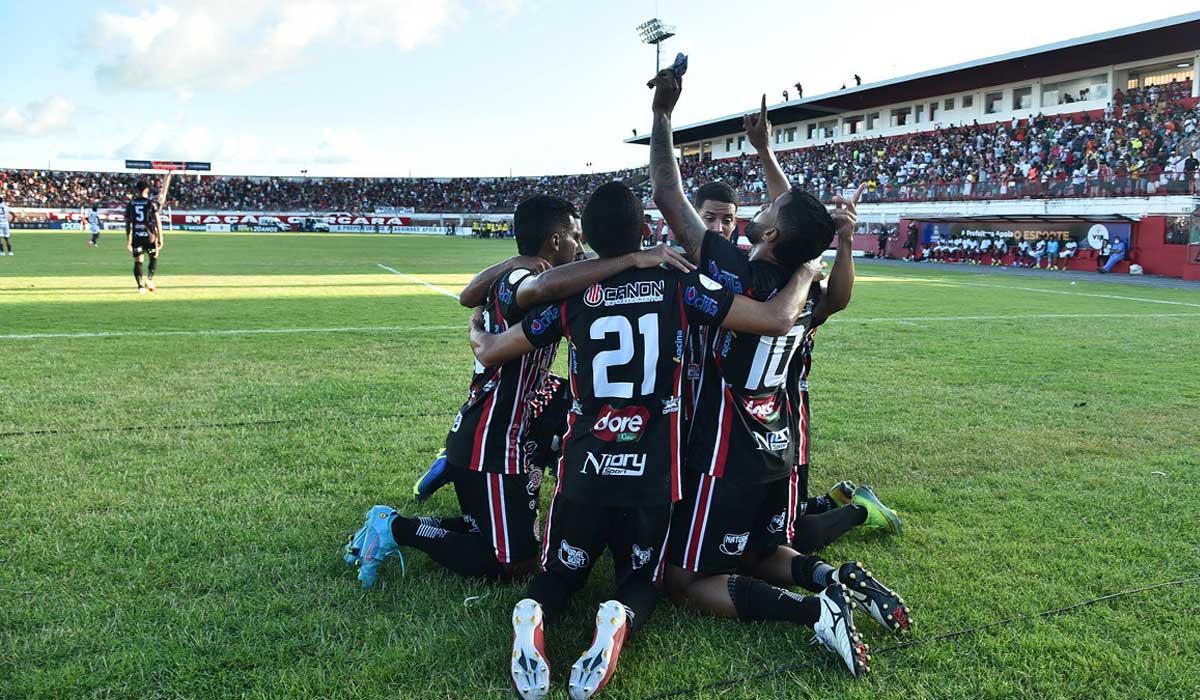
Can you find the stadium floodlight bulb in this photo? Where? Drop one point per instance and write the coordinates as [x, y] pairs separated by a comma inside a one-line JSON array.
[[653, 31]]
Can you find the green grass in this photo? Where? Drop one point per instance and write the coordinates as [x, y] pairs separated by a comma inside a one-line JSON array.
[[202, 562]]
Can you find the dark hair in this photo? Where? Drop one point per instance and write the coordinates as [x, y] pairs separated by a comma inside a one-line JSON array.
[[538, 218], [140, 186], [612, 220], [805, 228], [717, 192]]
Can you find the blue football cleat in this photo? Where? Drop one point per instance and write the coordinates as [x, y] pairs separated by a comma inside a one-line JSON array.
[[372, 544], [434, 479]]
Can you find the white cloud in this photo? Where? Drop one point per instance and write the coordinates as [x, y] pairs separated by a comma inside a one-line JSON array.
[[182, 45], [340, 146], [43, 117]]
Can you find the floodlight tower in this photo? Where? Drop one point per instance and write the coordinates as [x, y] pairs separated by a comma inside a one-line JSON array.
[[653, 31]]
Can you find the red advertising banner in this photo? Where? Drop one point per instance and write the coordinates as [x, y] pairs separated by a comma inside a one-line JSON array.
[[336, 219]]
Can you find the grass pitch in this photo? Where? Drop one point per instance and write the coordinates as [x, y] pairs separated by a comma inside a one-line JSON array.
[[177, 533]]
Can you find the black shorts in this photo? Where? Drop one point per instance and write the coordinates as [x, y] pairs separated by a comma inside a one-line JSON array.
[[143, 245], [501, 507], [719, 521], [578, 533]]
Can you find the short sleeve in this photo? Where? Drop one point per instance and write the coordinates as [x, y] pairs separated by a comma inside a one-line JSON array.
[[543, 325], [504, 291], [723, 262], [705, 301]]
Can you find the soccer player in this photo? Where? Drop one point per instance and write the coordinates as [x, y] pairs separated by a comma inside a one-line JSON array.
[[93, 219], [1068, 252], [621, 465], [1053, 246], [734, 525], [6, 218], [485, 456], [143, 232]]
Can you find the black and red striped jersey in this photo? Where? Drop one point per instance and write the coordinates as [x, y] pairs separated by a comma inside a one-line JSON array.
[[143, 214], [624, 439], [744, 424], [488, 432], [797, 382]]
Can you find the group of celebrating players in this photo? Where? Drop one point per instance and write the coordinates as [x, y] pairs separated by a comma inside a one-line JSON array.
[[679, 439]]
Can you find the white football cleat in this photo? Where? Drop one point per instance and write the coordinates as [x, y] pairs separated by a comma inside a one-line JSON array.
[[596, 665], [530, 667], [150, 285], [836, 632]]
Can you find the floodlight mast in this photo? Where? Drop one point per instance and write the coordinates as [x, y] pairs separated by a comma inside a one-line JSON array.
[[653, 31]]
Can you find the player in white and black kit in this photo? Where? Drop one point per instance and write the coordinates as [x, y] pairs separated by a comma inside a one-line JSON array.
[[621, 468], [93, 221], [495, 473], [6, 219]]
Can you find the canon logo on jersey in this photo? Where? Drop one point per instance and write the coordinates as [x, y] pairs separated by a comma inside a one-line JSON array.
[[624, 425], [644, 292]]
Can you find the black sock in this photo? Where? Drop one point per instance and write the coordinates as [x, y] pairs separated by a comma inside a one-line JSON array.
[[552, 592], [153, 266], [757, 600], [459, 524], [465, 554], [811, 573], [94, 237], [639, 598], [817, 505], [815, 532], [137, 273]]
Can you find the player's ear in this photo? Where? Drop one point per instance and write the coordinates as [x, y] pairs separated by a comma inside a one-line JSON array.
[[555, 242]]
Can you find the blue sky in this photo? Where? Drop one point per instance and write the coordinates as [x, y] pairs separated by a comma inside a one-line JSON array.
[[449, 87]]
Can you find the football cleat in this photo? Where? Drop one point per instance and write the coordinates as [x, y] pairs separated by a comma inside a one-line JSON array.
[[372, 544], [434, 479], [596, 665], [842, 492], [874, 598], [150, 285], [141, 290], [836, 632], [530, 667], [879, 516]]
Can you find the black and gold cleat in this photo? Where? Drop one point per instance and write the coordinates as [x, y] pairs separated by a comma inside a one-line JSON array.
[[874, 598]]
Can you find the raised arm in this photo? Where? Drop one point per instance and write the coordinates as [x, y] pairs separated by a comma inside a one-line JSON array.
[[572, 278], [162, 196], [495, 349], [758, 132], [685, 223], [841, 280], [777, 316], [476, 290]]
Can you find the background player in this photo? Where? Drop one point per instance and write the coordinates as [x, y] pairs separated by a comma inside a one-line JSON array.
[[6, 219], [618, 478], [143, 231], [93, 220]]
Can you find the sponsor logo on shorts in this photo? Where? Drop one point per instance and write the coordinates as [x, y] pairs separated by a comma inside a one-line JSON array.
[[615, 465], [774, 442], [646, 292], [624, 425], [670, 405], [777, 522], [469, 520], [764, 410], [573, 558], [641, 557], [457, 423], [733, 545], [535, 481]]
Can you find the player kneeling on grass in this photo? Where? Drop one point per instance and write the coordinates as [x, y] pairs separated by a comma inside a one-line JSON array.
[[621, 466], [496, 478]]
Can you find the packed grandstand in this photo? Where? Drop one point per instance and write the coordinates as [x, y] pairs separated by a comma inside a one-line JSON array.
[[1142, 146]]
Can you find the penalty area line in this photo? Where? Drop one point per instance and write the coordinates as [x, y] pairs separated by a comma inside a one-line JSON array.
[[418, 280]]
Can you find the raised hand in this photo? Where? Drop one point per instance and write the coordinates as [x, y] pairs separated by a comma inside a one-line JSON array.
[[758, 128], [667, 86], [845, 213]]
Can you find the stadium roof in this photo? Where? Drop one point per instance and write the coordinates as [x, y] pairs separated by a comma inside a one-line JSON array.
[[1179, 34]]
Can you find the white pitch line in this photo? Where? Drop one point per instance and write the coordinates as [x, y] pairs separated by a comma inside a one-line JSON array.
[[904, 320], [245, 331], [1054, 291], [418, 280], [911, 320]]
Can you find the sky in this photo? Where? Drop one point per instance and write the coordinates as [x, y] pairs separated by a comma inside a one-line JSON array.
[[438, 88]]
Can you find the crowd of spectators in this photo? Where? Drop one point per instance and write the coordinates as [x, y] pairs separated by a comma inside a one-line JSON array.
[[1141, 144]]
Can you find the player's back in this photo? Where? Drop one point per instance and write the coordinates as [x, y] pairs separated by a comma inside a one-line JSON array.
[[143, 213], [624, 437]]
